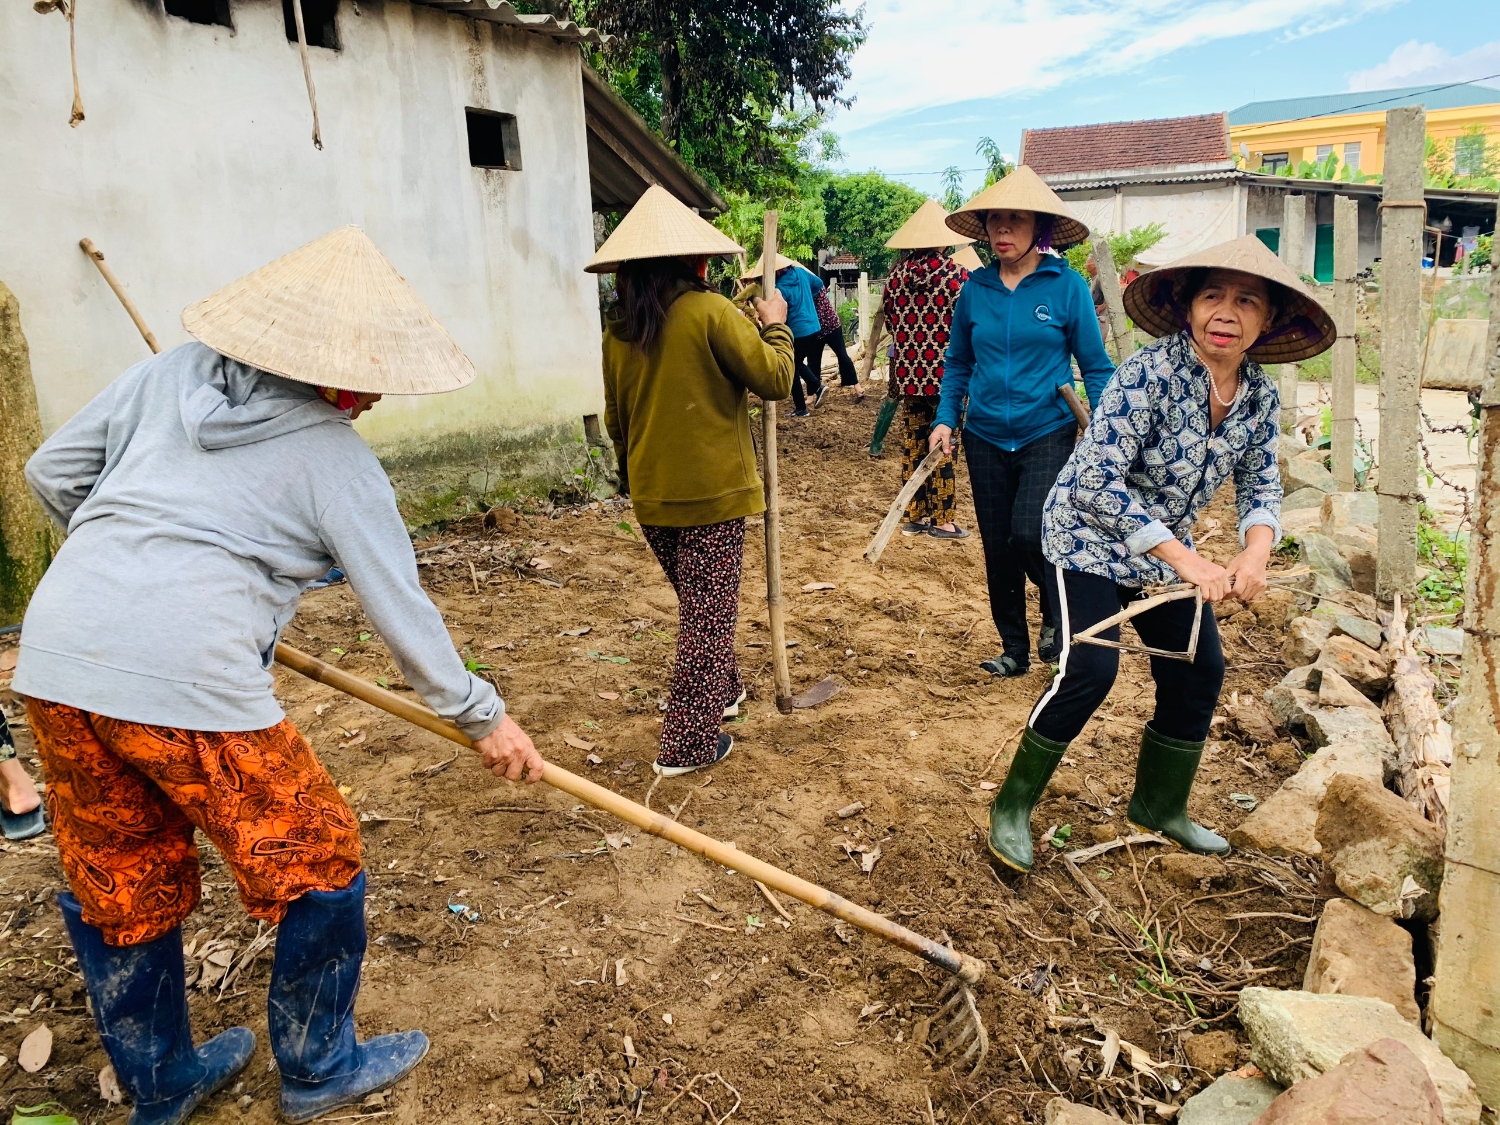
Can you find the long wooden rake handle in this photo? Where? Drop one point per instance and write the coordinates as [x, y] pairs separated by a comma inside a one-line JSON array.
[[966, 968], [903, 498]]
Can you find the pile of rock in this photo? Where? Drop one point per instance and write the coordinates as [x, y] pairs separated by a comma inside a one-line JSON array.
[[1334, 530]]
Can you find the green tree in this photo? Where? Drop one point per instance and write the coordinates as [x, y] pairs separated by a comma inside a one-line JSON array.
[[1124, 248], [953, 188], [863, 210], [735, 88], [997, 166]]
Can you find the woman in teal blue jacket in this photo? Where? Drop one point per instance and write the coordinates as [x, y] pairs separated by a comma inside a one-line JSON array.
[[1018, 325]]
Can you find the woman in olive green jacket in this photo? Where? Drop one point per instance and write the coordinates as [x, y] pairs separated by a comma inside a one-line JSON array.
[[679, 364]]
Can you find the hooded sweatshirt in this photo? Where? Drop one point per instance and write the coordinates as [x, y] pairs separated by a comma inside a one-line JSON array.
[[201, 497], [1010, 352]]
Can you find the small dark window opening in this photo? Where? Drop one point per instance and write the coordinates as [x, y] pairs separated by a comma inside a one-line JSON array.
[[200, 11], [494, 141], [319, 20]]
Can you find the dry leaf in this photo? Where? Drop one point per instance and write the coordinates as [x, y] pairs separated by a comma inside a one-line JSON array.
[[869, 859], [582, 630], [617, 840], [987, 785], [576, 743], [620, 973], [8, 659], [109, 1086], [540, 564], [812, 586], [36, 1049], [630, 1049], [1110, 1052], [1140, 1061], [594, 760], [609, 695]]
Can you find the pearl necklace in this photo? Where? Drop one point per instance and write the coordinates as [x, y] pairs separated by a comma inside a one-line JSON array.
[[1213, 386]]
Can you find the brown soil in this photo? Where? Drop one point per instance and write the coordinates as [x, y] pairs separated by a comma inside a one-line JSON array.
[[802, 1023]]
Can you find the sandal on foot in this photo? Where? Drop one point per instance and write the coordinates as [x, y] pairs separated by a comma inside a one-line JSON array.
[[916, 527], [726, 744], [1007, 666], [22, 826], [938, 533]]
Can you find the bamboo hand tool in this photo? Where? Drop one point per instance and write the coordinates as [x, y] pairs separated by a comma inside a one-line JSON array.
[[898, 506], [97, 257], [956, 1029], [1177, 593], [779, 670]]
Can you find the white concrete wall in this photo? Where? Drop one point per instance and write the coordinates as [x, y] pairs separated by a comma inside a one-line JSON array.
[[1195, 217], [195, 165]]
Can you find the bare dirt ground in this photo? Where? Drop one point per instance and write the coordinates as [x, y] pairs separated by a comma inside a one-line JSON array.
[[529, 949]]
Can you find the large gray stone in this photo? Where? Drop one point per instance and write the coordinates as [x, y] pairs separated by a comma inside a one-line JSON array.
[[1295, 1036], [1365, 632], [1306, 470], [1285, 822], [1350, 601], [1366, 668], [1305, 638], [1305, 498], [1356, 952], [1359, 547], [1335, 691], [1350, 509], [1322, 555], [1229, 1101], [1377, 846], [1301, 521]]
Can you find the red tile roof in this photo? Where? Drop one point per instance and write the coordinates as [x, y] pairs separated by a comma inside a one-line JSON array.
[[1122, 145]]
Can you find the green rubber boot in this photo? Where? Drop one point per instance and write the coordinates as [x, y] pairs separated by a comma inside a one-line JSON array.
[[1163, 778], [1010, 811]]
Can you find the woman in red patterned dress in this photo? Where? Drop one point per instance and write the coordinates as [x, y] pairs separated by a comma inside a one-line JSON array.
[[918, 303]]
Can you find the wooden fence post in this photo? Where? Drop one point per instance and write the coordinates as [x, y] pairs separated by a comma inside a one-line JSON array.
[[1465, 1007], [1293, 246], [864, 305], [1403, 214], [27, 538], [1109, 282], [1345, 266]]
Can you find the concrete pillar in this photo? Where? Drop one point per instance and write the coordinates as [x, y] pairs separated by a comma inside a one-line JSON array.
[[1402, 218], [1345, 266], [1114, 302], [864, 305], [1465, 1007], [27, 536], [1293, 238]]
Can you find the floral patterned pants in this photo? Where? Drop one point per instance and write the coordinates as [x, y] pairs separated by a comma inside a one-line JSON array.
[[124, 800], [934, 500], [703, 564]]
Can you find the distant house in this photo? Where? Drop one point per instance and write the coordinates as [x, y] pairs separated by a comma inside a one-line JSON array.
[[1181, 172], [470, 141], [1272, 136]]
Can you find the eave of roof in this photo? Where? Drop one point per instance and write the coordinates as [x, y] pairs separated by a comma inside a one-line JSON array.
[[501, 12], [1169, 174], [626, 157], [1324, 105], [1256, 179]]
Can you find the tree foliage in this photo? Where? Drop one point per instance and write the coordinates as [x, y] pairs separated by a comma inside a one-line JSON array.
[[998, 165], [1124, 248], [736, 88], [863, 210]]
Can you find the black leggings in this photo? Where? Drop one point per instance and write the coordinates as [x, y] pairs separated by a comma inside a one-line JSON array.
[[807, 353], [835, 340], [1010, 489], [1186, 694]]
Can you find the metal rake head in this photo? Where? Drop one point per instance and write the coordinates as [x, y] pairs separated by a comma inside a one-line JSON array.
[[957, 1031]]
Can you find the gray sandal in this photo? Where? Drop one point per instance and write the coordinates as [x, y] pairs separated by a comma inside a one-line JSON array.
[[1007, 666], [938, 533]]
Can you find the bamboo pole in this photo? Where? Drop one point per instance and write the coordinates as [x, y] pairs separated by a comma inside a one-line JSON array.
[[1465, 1007], [1114, 302], [312, 93], [779, 671], [862, 298], [1293, 250], [97, 257], [1402, 211], [1345, 266], [960, 965]]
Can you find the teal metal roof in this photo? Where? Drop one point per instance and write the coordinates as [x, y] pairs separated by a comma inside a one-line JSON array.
[[1367, 101]]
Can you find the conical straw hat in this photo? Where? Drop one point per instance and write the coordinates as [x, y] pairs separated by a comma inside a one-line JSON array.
[[334, 313], [1303, 328], [659, 226], [1022, 190], [926, 230], [967, 257], [754, 272]]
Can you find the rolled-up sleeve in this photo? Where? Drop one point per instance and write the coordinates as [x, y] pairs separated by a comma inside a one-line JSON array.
[[364, 533], [1257, 476]]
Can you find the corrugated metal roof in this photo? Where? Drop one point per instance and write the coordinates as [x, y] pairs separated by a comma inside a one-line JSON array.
[[501, 12], [1115, 145], [1225, 173], [1366, 101]]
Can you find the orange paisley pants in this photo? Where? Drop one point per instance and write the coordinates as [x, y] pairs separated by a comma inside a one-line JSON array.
[[124, 799]]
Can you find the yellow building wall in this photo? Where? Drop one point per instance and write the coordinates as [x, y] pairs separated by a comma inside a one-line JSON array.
[[1300, 139]]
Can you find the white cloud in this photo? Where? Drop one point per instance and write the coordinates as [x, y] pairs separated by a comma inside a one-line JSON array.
[[934, 52], [1415, 64]]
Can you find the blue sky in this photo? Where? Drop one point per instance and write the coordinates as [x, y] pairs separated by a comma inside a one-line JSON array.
[[936, 75]]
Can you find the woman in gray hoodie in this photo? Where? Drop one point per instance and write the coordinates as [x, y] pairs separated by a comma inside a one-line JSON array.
[[201, 495]]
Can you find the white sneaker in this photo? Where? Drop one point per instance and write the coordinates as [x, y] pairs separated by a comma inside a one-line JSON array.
[[726, 744], [733, 710]]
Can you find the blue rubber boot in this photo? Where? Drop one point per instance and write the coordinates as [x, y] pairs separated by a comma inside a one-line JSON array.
[[320, 946], [139, 998]]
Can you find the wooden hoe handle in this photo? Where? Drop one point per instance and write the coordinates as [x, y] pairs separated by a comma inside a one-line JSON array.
[[961, 965]]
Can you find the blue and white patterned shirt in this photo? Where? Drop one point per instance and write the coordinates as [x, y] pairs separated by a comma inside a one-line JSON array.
[[1149, 464]]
